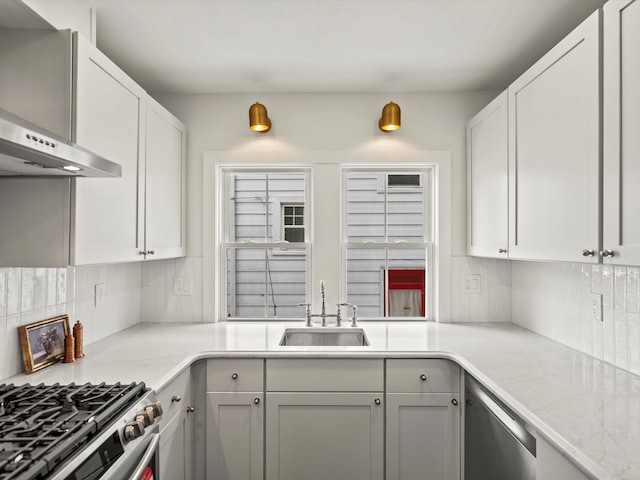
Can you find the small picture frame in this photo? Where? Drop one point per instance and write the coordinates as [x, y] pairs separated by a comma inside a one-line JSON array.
[[42, 342]]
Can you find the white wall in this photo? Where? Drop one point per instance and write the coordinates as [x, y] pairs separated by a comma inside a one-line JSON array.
[[349, 121], [28, 295]]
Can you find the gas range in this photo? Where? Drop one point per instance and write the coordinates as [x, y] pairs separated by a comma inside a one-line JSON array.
[[77, 431]]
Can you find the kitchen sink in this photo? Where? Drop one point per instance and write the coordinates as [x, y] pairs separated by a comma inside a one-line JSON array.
[[324, 337]]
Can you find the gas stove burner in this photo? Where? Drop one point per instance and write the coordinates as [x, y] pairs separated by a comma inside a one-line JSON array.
[[43, 425]]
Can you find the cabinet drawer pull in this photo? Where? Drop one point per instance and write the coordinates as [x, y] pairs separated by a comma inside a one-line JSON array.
[[423, 377], [256, 401], [377, 401], [176, 398], [190, 409], [588, 253], [234, 376], [455, 402]]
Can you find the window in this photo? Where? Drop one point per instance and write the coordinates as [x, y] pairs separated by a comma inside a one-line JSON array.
[[293, 223], [387, 242], [264, 243], [375, 243]]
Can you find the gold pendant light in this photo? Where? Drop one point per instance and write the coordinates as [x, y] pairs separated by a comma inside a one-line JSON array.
[[258, 119], [390, 119]]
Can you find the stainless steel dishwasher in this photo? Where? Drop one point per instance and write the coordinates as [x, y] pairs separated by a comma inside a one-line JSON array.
[[498, 445]]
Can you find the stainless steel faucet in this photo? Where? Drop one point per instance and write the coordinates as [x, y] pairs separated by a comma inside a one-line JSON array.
[[323, 311]]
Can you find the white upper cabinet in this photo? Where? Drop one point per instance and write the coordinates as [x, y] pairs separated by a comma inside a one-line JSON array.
[[165, 175], [554, 152], [621, 172], [109, 120], [487, 180]]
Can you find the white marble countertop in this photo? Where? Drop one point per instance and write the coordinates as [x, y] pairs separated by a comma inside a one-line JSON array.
[[588, 408]]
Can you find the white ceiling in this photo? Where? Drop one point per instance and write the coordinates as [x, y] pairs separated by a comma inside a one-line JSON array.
[[206, 46]]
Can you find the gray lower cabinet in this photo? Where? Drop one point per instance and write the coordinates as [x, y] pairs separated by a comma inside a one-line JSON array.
[[176, 429], [235, 419], [175, 449], [423, 437], [423, 428], [324, 419], [235, 426], [317, 436]]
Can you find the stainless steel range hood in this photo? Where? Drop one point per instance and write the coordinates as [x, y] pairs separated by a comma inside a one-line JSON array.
[[26, 150]]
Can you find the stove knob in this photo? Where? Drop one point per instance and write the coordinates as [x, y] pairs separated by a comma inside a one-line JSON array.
[[157, 409], [145, 417], [133, 430], [151, 412]]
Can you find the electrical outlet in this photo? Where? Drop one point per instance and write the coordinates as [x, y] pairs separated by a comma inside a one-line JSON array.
[[183, 286], [470, 283], [594, 307], [99, 294]]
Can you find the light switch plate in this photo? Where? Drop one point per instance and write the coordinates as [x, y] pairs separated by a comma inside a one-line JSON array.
[[183, 286], [99, 294], [471, 283]]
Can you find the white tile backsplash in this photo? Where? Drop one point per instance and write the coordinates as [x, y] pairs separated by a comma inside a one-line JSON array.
[[493, 302], [551, 299], [29, 295], [159, 304]]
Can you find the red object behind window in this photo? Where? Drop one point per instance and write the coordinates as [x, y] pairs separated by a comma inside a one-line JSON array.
[[407, 280]]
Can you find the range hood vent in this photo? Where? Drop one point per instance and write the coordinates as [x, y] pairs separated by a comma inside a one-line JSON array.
[[26, 150]]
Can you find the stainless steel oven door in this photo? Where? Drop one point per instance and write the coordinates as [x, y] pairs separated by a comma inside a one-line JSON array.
[[141, 463]]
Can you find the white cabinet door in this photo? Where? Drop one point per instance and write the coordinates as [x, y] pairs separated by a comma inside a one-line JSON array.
[[165, 177], [235, 432], [175, 449], [554, 152], [487, 180], [109, 119], [621, 173], [423, 436], [320, 436]]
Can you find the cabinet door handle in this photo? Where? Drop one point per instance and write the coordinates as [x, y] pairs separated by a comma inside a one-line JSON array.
[[176, 398], [377, 401], [151, 252], [190, 409], [502, 250], [234, 376], [588, 253], [423, 377], [607, 253], [256, 401], [455, 402]]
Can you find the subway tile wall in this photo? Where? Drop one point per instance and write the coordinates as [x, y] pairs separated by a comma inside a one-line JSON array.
[[493, 302], [553, 299], [29, 295], [159, 301]]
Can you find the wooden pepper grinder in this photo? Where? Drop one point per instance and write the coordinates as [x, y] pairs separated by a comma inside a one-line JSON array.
[[69, 349], [77, 335]]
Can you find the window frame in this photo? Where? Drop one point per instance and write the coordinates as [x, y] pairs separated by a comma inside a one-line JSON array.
[[258, 154], [278, 246], [428, 185]]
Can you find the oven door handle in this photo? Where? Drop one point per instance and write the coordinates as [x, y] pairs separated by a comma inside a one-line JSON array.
[[146, 458]]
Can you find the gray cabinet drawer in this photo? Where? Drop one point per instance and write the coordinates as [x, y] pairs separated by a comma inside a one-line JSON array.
[[175, 397], [422, 376], [235, 375], [325, 375]]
